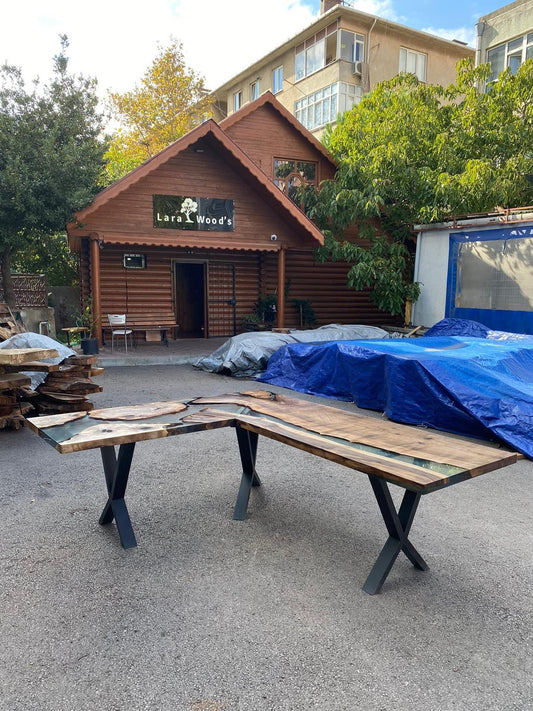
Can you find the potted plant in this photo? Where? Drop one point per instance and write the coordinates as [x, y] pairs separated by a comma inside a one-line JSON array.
[[89, 321], [263, 315], [266, 307], [252, 322], [305, 312]]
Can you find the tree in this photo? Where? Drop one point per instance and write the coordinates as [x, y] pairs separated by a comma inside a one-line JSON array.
[[50, 255], [418, 153], [50, 157], [169, 102]]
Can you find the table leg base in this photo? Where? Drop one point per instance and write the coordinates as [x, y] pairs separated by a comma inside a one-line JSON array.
[[116, 472], [398, 524], [248, 451]]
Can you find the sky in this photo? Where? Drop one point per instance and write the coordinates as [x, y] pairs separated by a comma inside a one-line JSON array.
[[115, 41]]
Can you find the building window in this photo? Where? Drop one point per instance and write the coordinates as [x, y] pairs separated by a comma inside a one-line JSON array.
[[254, 90], [412, 62], [351, 47], [511, 54], [327, 46], [134, 261], [289, 175], [277, 80], [237, 100], [323, 106]]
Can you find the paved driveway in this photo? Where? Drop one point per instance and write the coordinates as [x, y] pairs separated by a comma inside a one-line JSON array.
[[209, 614]]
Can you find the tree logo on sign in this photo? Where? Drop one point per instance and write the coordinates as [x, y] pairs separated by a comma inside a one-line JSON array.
[[188, 206]]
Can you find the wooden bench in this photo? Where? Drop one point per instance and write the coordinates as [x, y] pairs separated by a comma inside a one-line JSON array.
[[418, 460], [154, 326]]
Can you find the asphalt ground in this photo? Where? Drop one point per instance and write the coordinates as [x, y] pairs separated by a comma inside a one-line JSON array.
[[210, 614]]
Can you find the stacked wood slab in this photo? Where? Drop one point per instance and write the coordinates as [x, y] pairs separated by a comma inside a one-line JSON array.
[[8, 325], [65, 389]]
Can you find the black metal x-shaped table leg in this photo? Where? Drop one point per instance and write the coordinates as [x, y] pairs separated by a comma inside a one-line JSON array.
[[398, 525], [116, 476], [248, 450]]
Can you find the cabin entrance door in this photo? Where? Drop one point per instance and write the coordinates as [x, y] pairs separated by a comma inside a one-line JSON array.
[[190, 298]]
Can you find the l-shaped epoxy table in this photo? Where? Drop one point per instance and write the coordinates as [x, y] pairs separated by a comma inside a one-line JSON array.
[[418, 460]]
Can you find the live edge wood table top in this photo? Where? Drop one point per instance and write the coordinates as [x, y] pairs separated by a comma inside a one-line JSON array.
[[418, 460]]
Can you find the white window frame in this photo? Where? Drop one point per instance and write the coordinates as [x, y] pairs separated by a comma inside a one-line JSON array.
[[324, 48], [323, 106], [277, 79], [358, 47], [526, 51], [420, 59], [237, 100]]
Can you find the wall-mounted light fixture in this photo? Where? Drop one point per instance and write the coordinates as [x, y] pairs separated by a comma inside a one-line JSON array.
[[273, 238]]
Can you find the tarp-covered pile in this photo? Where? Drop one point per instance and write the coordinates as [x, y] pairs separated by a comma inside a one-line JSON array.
[[480, 386], [248, 354]]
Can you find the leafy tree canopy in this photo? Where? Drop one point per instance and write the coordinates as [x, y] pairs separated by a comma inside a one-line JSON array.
[[50, 255], [419, 153], [170, 100], [50, 156]]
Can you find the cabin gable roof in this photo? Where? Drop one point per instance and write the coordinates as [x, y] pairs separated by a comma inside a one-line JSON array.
[[231, 123], [213, 135]]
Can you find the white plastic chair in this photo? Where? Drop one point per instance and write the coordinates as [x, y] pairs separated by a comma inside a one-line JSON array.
[[119, 320]]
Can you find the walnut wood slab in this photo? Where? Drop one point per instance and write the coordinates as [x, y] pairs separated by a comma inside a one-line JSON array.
[[415, 458], [21, 355]]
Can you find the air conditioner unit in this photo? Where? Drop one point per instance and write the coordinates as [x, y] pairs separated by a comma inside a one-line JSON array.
[[357, 68]]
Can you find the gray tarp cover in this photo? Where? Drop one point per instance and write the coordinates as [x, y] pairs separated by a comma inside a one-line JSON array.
[[248, 354]]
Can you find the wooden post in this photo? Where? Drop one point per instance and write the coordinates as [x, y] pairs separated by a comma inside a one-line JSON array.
[[95, 284], [281, 288]]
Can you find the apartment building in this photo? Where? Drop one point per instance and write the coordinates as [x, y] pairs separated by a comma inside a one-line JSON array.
[[505, 37], [325, 69]]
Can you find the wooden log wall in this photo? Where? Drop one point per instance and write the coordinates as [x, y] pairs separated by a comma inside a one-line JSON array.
[[267, 123], [144, 292], [324, 284]]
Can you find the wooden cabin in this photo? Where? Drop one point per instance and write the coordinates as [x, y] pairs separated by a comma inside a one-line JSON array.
[[199, 232]]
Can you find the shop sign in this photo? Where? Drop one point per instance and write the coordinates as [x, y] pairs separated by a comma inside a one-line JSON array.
[[178, 212]]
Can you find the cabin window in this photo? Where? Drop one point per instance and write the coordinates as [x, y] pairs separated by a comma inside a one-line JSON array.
[[134, 261], [412, 62], [277, 80], [289, 175]]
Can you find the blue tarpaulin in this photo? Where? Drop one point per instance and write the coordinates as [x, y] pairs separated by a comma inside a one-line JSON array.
[[478, 386]]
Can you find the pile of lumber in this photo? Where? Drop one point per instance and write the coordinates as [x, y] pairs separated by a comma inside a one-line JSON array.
[[8, 324], [12, 406], [65, 389]]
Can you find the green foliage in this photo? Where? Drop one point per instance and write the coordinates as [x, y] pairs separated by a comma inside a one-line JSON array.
[[170, 100], [50, 156], [418, 153], [87, 318], [50, 255], [305, 311], [263, 315], [265, 307]]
